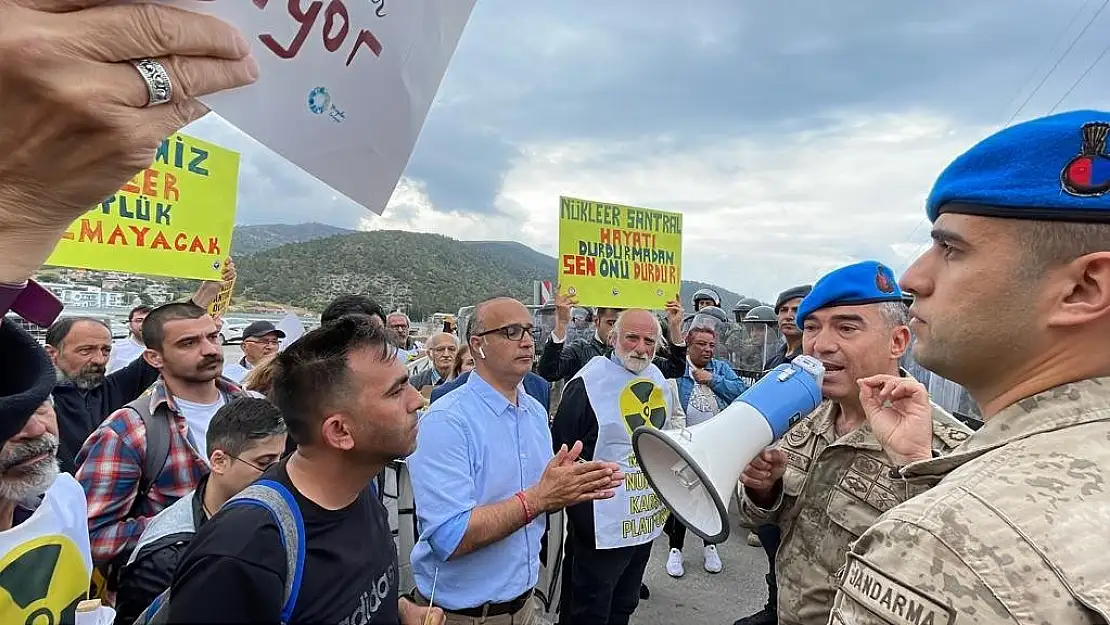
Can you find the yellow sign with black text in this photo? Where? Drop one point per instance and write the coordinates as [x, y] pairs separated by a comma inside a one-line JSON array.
[[174, 218], [619, 256]]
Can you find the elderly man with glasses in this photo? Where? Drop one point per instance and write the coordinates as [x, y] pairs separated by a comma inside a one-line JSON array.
[[483, 477], [261, 340], [442, 348]]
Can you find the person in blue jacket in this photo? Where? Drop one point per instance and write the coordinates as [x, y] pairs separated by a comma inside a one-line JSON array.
[[708, 387]]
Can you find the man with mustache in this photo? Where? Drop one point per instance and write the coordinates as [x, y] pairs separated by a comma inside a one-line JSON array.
[[80, 348], [608, 546], [828, 479], [184, 345], [43, 531]]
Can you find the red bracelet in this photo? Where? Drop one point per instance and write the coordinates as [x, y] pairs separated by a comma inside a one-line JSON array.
[[528, 516]]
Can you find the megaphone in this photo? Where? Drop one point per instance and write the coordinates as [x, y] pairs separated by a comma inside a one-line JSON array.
[[694, 470]]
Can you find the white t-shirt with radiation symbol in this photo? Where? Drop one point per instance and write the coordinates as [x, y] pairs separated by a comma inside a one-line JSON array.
[[46, 561], [624, 401]]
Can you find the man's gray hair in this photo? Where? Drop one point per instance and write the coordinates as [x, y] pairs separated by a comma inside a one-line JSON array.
[[895, 313], [398, 314], [438, 337]]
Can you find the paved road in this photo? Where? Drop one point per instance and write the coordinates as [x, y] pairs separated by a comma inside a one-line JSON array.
[[699, 598]]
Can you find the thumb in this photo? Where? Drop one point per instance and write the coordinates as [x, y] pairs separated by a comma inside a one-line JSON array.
[[574, 451]]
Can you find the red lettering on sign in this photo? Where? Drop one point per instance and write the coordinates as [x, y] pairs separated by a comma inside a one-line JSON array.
[[214, 246], [140, 235], [181, 242], [335, 9], [89, 233], [150, 183], [367, 39], [160, 242], [169, 187], [117, 237], [132, 185], [307, 18]]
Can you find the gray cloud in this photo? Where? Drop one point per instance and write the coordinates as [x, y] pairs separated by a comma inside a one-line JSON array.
[[585, 93]]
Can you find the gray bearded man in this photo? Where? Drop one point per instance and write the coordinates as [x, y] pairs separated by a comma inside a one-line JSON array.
[[608, 546]]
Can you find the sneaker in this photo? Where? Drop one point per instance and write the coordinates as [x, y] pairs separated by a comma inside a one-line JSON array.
[[712, 560], [753, 540], [674, 564], [765, 616]]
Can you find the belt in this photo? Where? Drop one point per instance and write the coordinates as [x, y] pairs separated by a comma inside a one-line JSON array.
[[512, 606]]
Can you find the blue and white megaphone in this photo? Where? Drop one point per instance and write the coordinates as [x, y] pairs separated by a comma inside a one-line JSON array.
[[695, 470]]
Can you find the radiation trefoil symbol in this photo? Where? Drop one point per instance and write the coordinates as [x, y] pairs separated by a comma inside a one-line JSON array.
[[42, 581], [642, 403]]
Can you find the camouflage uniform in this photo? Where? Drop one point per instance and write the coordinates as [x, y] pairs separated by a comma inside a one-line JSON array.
[[1015, 532], [833, 490]]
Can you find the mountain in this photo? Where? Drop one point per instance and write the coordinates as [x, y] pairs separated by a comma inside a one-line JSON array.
[[426, 273], [250, 239]]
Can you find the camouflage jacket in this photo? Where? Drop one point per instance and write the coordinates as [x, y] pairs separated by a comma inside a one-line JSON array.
[[833, 490], [1013, 533]]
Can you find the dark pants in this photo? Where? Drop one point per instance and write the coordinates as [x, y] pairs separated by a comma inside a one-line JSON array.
[[770, 536], [601, 586], [676, 533]]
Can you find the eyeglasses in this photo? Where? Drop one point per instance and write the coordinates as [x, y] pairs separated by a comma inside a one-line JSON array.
[[253, 465], [274, 342], [513, 331], [444, 348]]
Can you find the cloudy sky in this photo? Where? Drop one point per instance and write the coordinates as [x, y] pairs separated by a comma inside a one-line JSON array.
[[794, 135]]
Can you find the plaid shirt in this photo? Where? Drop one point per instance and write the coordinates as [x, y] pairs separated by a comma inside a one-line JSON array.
[[111, 463]]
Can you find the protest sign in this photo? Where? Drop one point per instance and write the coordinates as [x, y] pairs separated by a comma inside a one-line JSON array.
[[344, 85], [174, 218], [619, 256], [222, 301]]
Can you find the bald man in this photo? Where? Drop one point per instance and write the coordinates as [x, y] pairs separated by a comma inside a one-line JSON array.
[[483, 477], [608, 547]]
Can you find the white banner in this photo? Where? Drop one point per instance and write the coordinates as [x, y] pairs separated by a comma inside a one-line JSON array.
[[345, 85]]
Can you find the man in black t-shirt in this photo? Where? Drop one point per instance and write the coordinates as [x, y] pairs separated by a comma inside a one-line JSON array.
[[348, 405]]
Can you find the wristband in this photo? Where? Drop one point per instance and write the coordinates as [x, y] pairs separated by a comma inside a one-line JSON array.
[[528, 515], [30, 301]]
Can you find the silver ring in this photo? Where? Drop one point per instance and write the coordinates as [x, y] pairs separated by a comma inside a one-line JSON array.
[[157, 81]]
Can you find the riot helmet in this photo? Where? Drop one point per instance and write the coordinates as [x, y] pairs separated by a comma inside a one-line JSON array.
[[706, 295], [757, 339], [743, 306], [715, 319]]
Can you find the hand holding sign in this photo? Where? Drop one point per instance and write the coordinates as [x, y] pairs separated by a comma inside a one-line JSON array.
[[674, 319], [563, 307]]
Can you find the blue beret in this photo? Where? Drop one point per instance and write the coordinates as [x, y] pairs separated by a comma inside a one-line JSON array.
[[1054, 168], [862, 283]]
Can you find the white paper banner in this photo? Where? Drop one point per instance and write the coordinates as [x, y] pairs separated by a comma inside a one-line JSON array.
[[345, 85], [291, 325]]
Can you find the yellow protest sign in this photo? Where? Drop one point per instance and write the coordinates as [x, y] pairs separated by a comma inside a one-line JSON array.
[[619, 256], [172, 219], [222, 301]]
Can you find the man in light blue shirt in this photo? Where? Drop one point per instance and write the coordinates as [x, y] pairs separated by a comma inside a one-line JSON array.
[[483, 477]]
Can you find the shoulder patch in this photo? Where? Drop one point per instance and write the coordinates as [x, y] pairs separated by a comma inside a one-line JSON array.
[[948, 429], [891, 600]]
